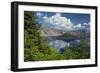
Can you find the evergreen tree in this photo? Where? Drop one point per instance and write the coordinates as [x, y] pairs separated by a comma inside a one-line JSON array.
[[82, 50], [36, 47]]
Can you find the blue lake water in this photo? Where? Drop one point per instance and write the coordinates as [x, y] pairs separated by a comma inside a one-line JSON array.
[[60, 44]]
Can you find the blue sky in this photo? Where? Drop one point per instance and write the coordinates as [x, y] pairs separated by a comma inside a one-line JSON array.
[[63, 20], [78, 18]]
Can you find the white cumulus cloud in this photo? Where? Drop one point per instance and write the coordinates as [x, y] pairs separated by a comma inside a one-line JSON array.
[[78, 26], [60, 22], [39, 14]]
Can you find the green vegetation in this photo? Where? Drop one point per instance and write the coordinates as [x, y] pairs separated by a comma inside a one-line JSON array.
[[37, 49], [35, 46]]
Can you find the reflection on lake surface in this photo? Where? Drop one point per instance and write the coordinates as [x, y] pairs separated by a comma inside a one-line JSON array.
[[60, 44], [59, 39]]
